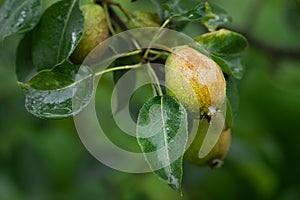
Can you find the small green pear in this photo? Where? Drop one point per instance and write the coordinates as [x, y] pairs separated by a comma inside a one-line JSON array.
[[96, 31], [140, 19], [195, 80], [215, 157]]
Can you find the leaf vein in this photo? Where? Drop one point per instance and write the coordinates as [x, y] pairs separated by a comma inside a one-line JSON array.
[[63, 31], [165, 136]]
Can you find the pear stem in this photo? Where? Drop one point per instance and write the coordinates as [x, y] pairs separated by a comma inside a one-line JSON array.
[[111, 29], [158, 54], [119, 68], [155, 79], [151, 71], [156, 36]]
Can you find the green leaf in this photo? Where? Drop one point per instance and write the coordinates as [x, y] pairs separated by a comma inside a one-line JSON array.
[[223, 42], [162, 135], [232, 94], [18, 16], [229, 115], [58, 33], [49, 93], [225, 48], [47, 3], [210, 15], [232, 100], [231, 65], [25, 68], [213, 16]]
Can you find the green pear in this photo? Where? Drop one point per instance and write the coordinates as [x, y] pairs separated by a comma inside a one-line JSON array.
[[215, 157], [195, 80], [140, 19], [96, 31]]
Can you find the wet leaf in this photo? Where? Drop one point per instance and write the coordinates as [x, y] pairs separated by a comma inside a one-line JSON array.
[[213, 16], [162, 135], [225, 47], [49, 93], [223, 42], [58, 33], [232, 65], [18, 16], [210, 15]]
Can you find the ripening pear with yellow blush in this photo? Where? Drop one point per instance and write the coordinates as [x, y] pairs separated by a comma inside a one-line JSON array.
[[195, 80]]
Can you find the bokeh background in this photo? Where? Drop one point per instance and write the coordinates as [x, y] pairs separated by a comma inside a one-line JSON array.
[[42, 159]]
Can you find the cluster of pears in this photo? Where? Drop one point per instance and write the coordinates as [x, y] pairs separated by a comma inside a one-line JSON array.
[[194, 79], [198, 83], [96, 28]]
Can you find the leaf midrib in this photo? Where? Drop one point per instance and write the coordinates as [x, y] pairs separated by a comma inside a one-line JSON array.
[[63, 31], [165, 136], [58, 89]]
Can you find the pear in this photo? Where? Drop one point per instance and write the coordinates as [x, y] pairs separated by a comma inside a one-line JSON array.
[[215, 157], [96, 31], [195, 80], [140, 19]]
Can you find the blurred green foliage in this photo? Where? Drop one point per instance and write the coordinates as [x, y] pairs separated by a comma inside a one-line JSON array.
[[45, 159]]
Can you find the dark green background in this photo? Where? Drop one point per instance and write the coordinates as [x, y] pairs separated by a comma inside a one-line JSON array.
[[42, 159]]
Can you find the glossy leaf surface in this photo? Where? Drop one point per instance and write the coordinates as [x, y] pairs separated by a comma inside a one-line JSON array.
[[49, 94], [58, 33], [18, 16], [162, 135], [225, 48], [209, 15]]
